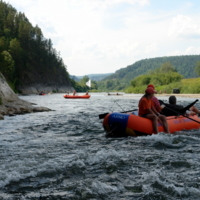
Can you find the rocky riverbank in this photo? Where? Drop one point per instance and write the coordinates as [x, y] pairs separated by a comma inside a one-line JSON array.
[[11, 104]]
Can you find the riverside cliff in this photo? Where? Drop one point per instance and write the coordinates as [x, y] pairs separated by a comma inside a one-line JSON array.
[[11, 104], [34, 83]]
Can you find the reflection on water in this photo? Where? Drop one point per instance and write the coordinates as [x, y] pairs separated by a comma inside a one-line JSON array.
[[63, 154]]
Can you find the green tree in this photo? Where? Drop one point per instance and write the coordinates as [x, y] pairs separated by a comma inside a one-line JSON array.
[[7, 65], [15, 49], [197, 68], [2, 44], [84, 80], [94, 85], [165, 68]]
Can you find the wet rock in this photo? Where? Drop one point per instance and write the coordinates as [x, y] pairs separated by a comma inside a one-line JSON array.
[[41, 109], [11, 115], [11, 104], [1, 117]]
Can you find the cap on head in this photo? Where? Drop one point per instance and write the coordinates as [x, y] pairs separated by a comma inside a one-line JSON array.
[[150, 90], [150, 85], [172, 100]]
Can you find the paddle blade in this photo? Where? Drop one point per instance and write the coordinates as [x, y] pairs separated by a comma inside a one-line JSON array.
[[101, 116]]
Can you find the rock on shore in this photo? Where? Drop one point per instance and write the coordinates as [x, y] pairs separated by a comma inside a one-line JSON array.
[[11, 104]]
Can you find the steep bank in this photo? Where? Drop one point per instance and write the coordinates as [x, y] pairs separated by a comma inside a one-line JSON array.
[[11, 104], [34, 82], [37, 88]]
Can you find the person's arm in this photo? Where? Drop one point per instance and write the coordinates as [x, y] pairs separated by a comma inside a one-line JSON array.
[[150, 111], [157, 104], [157, 114], [155, 111]]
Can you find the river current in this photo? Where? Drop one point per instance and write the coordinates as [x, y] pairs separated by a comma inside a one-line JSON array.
[[63, 154]]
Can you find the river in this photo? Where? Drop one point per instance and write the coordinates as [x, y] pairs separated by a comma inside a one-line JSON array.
[[63, 154]]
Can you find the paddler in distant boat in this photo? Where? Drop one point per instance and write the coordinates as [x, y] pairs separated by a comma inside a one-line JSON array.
[[147, 110], [74, 93], [86, 93], [41, 93]]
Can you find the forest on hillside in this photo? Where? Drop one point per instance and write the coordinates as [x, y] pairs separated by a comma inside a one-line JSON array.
[[121, 79], [165, 78], [26, 56]]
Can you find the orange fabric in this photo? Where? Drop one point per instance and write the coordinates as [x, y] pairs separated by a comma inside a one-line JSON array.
[[143, 105]]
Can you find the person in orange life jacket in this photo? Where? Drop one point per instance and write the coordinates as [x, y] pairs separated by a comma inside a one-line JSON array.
[[147, 110], [157, 105]]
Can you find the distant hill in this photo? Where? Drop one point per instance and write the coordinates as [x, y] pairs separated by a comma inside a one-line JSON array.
[[184, 65], [94, 77]]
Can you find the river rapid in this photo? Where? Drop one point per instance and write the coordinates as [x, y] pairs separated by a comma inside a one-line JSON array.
[[63, 154]]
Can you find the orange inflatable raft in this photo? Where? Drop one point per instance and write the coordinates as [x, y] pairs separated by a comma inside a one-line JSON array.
[[76, 96], [119, 124]]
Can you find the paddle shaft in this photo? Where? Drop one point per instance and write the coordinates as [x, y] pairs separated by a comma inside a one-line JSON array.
[[190, 105], [182, 115], [101, 116]]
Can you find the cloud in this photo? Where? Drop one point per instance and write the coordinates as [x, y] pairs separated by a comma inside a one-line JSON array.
[[184, 27], [191, 50], [100, 36], [153, 47]]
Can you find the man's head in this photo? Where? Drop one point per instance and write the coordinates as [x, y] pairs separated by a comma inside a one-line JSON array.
[[172, 100]]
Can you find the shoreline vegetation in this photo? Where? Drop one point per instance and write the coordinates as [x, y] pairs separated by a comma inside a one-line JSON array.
[[188, 87], [166, 79]]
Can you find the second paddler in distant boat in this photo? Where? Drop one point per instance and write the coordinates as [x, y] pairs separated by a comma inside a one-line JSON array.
[[74, 93], [147, 110]]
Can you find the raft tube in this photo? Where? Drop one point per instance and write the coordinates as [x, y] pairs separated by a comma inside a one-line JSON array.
[[120, 124], [76, 96]]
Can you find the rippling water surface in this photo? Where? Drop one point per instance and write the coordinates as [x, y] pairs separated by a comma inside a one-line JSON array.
[[63, 154]]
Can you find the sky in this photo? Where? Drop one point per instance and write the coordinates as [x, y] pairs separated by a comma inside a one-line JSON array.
[[102, 36]]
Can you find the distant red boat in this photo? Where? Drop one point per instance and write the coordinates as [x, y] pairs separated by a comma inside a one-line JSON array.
[[42, 93], [76, 96]]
